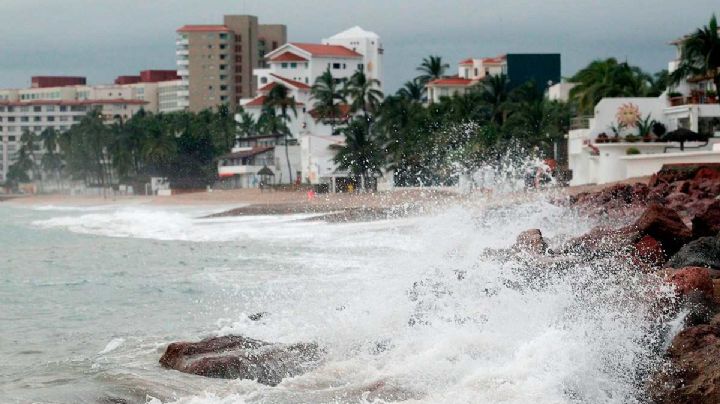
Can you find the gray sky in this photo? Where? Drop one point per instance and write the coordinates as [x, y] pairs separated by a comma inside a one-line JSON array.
[[102, 39]]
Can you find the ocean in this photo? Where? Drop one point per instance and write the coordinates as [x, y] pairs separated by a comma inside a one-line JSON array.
[[411, 309]]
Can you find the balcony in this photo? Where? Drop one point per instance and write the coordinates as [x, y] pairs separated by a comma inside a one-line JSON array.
[[183, 72], [183, 62], [695, 98], [182, 42], [182, 52]]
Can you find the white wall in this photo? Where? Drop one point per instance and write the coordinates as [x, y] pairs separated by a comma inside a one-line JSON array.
[[642, 165]]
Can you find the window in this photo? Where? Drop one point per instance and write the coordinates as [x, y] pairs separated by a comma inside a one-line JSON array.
[[210, 88], [223, 88], [36, 119], [210, 46], [223, 98], [2, 109], [77, 118], [50, 108], [24, 109], [336, 66], [11, 138], [11, 119], [11, 109], [222, 57], [222, 67], [63, 108], [223, 46], [63, 118], [360, 66], [51, 119], [37, 128], [274, 44], [24, 119], [223, 36], [284, 65], [223, 77], [37, 108], [344, 66], [263, 80], [293, 65]]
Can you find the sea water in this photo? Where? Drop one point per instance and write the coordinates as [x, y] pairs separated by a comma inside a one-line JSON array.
[[408, 309]]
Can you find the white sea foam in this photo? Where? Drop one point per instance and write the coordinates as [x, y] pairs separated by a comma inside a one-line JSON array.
[[112, 345], [437, 320]]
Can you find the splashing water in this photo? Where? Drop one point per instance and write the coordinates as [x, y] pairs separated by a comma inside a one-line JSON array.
[[412, 310]]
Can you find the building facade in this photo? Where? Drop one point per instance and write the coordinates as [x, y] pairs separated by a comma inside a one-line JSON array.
[[541, 69], [216, 62]]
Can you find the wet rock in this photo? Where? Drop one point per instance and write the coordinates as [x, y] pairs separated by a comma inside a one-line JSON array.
[[694, 375], [237, 357], [703, 252], [707, 223], [531, 241], [664, 225], [692, 279], [602, 240], [649, 251]]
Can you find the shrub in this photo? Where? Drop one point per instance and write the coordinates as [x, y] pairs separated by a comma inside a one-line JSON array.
[[631, 151]]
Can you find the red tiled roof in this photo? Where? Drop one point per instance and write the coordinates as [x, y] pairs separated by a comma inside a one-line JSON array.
[[288, 57], [467, 61], [203, 28], [294, 83], [247, 153], [327, 50], [451, 81], [495, 60], [260, 101], [267, 87], [114, 101]]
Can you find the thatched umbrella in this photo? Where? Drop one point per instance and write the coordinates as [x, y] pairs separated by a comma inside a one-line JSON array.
[[266, 175], [683, 135]]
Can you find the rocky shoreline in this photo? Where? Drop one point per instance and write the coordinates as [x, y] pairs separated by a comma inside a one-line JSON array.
[[666, 228]]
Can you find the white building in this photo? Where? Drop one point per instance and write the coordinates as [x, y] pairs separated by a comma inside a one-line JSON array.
[[297, 66], [470, 72], [690, 106]]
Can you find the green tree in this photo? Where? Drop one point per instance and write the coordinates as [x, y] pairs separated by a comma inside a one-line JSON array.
[[279, 99], [360, 154], [700, 55], [28, 141], [607, 78], [494, 92], [364, 93], [432, 67], [328, 95], [412, 90], [51, 161]]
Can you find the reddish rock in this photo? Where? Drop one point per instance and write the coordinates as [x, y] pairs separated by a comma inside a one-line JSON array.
[[707, 173], [603, 240], [690, 279], [649, 251], [531, 241], [681, 186], [237, 357], [695, 371], [708, 222], [711, 187], [664, 225]]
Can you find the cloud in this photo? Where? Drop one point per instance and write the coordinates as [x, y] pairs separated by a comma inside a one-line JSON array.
[[102, 38]]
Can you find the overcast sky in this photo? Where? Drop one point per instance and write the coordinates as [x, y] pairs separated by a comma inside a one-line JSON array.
[[102, 39]]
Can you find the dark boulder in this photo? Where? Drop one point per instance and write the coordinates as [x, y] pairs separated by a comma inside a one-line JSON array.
[[237, 357], [692, 279], [703, 252], [649, 251], [664, 225], [707, 223]]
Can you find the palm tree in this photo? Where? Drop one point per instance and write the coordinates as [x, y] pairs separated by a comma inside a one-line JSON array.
[[51, 160], [412, 90], [225, 128], [364, 93], [247, 126], [608, 78], [700, 55], [28, 141], [328, 96], [360, 154], [279, 98], [432, 67], [494, 92]]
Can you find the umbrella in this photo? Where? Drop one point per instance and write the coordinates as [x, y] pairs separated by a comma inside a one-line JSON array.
[[683, 135]]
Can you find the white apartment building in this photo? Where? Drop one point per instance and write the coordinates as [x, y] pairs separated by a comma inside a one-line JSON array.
[[693, 104], [297, 66], [37, 115]]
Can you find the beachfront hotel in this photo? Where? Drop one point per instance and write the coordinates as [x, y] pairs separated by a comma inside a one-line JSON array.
[[216, 62], [608, 146], [542, 69], [296, 66], [59, 102]]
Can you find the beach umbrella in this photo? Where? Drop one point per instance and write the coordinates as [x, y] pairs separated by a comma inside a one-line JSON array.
[[266, 175], [683, 135]]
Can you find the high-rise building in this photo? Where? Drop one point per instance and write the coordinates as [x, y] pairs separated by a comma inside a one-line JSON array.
[[216, 62]]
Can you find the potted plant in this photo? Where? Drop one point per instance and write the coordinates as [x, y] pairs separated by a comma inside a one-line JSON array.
[[602, 138], [631, 151], [645, 126], [711, 97], [632, 138], [675, 98], [617, 130]]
